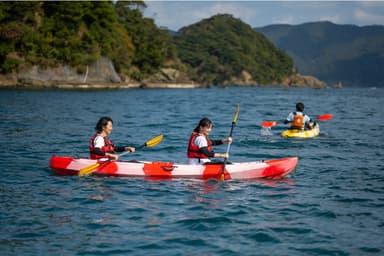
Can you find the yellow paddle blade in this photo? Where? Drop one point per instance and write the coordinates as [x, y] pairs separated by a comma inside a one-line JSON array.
[[154, 141], [237, 113], [89, 169]]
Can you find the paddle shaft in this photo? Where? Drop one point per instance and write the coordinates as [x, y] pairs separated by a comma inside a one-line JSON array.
[[141, 146], [124, 153], [228, 147], [109, 160], [229, 144], [230, 135], [127, 152], [323, 117]]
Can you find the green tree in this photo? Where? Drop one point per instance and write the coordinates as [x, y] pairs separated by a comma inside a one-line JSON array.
[[49, 33], [221, 48], [16, 20], [151, 43]]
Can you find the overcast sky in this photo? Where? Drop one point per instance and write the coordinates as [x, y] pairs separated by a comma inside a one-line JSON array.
[[177, 14]]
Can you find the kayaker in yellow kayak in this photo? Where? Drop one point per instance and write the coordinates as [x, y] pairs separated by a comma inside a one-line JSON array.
[[299, 120], [200, 146], [100, 146]]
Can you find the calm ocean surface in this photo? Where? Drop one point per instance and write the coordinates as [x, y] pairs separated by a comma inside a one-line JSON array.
[[333, 204]]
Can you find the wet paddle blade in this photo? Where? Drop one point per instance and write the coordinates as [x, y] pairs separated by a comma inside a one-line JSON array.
[[325, 117], [268, 123], [236, 114], [154, 141], [89, 169]]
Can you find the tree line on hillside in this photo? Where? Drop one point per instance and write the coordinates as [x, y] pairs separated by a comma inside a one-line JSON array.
[[349, 54], [78, 33], [221, 48], [214, 51]]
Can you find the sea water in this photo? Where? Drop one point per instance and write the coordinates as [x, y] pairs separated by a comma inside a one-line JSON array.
[[333, 203]]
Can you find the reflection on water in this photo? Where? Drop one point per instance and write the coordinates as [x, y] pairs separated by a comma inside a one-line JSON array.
[[266, 131]]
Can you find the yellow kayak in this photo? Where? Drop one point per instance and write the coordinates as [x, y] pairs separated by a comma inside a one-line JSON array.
[[294, 133]]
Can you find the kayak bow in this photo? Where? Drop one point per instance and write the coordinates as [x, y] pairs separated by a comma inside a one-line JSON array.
[[295, 133]]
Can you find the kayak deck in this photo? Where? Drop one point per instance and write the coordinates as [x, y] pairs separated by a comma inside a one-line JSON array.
[[295, 133], [275, 168]]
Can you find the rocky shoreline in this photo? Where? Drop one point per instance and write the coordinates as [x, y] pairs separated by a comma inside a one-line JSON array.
[[4, 84], [102, 75], [101, 86]]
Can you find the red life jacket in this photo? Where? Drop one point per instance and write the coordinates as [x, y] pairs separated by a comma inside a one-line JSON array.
[[107, 148], [298, 121], [193, 150]]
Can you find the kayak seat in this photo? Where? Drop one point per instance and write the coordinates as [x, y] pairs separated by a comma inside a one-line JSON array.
[[217, 163]]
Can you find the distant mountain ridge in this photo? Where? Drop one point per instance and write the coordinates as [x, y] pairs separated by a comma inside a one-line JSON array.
[[350, 54]]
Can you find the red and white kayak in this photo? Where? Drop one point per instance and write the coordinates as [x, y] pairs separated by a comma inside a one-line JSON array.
[[274, 169]]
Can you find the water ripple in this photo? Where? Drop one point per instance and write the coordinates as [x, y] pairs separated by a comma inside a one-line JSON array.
[[331, 205]]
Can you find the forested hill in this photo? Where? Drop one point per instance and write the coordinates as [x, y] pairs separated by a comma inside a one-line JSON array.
[[44, 43], [48, 34], [224, 50], [351, 54]]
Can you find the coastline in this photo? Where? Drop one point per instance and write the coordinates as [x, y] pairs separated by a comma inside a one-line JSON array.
[[152, 85], [40, 81], [103, 76], [102, 86]]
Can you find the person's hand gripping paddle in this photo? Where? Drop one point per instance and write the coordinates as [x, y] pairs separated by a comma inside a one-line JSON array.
[[92, 168]]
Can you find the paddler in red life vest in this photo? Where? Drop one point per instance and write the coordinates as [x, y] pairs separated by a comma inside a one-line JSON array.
[[200, 146], [100, 146], [298, 119]]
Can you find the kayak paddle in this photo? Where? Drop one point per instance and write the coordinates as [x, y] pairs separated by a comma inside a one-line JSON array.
[[90, 169], [267, 124], [230, 135], [324, 117]]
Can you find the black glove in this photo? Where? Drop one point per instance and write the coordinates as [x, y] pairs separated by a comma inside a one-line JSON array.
[[286, 121]]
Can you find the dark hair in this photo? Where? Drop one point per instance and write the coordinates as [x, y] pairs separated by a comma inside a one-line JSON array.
[[300, 107], [204, 122], [103, 121]]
